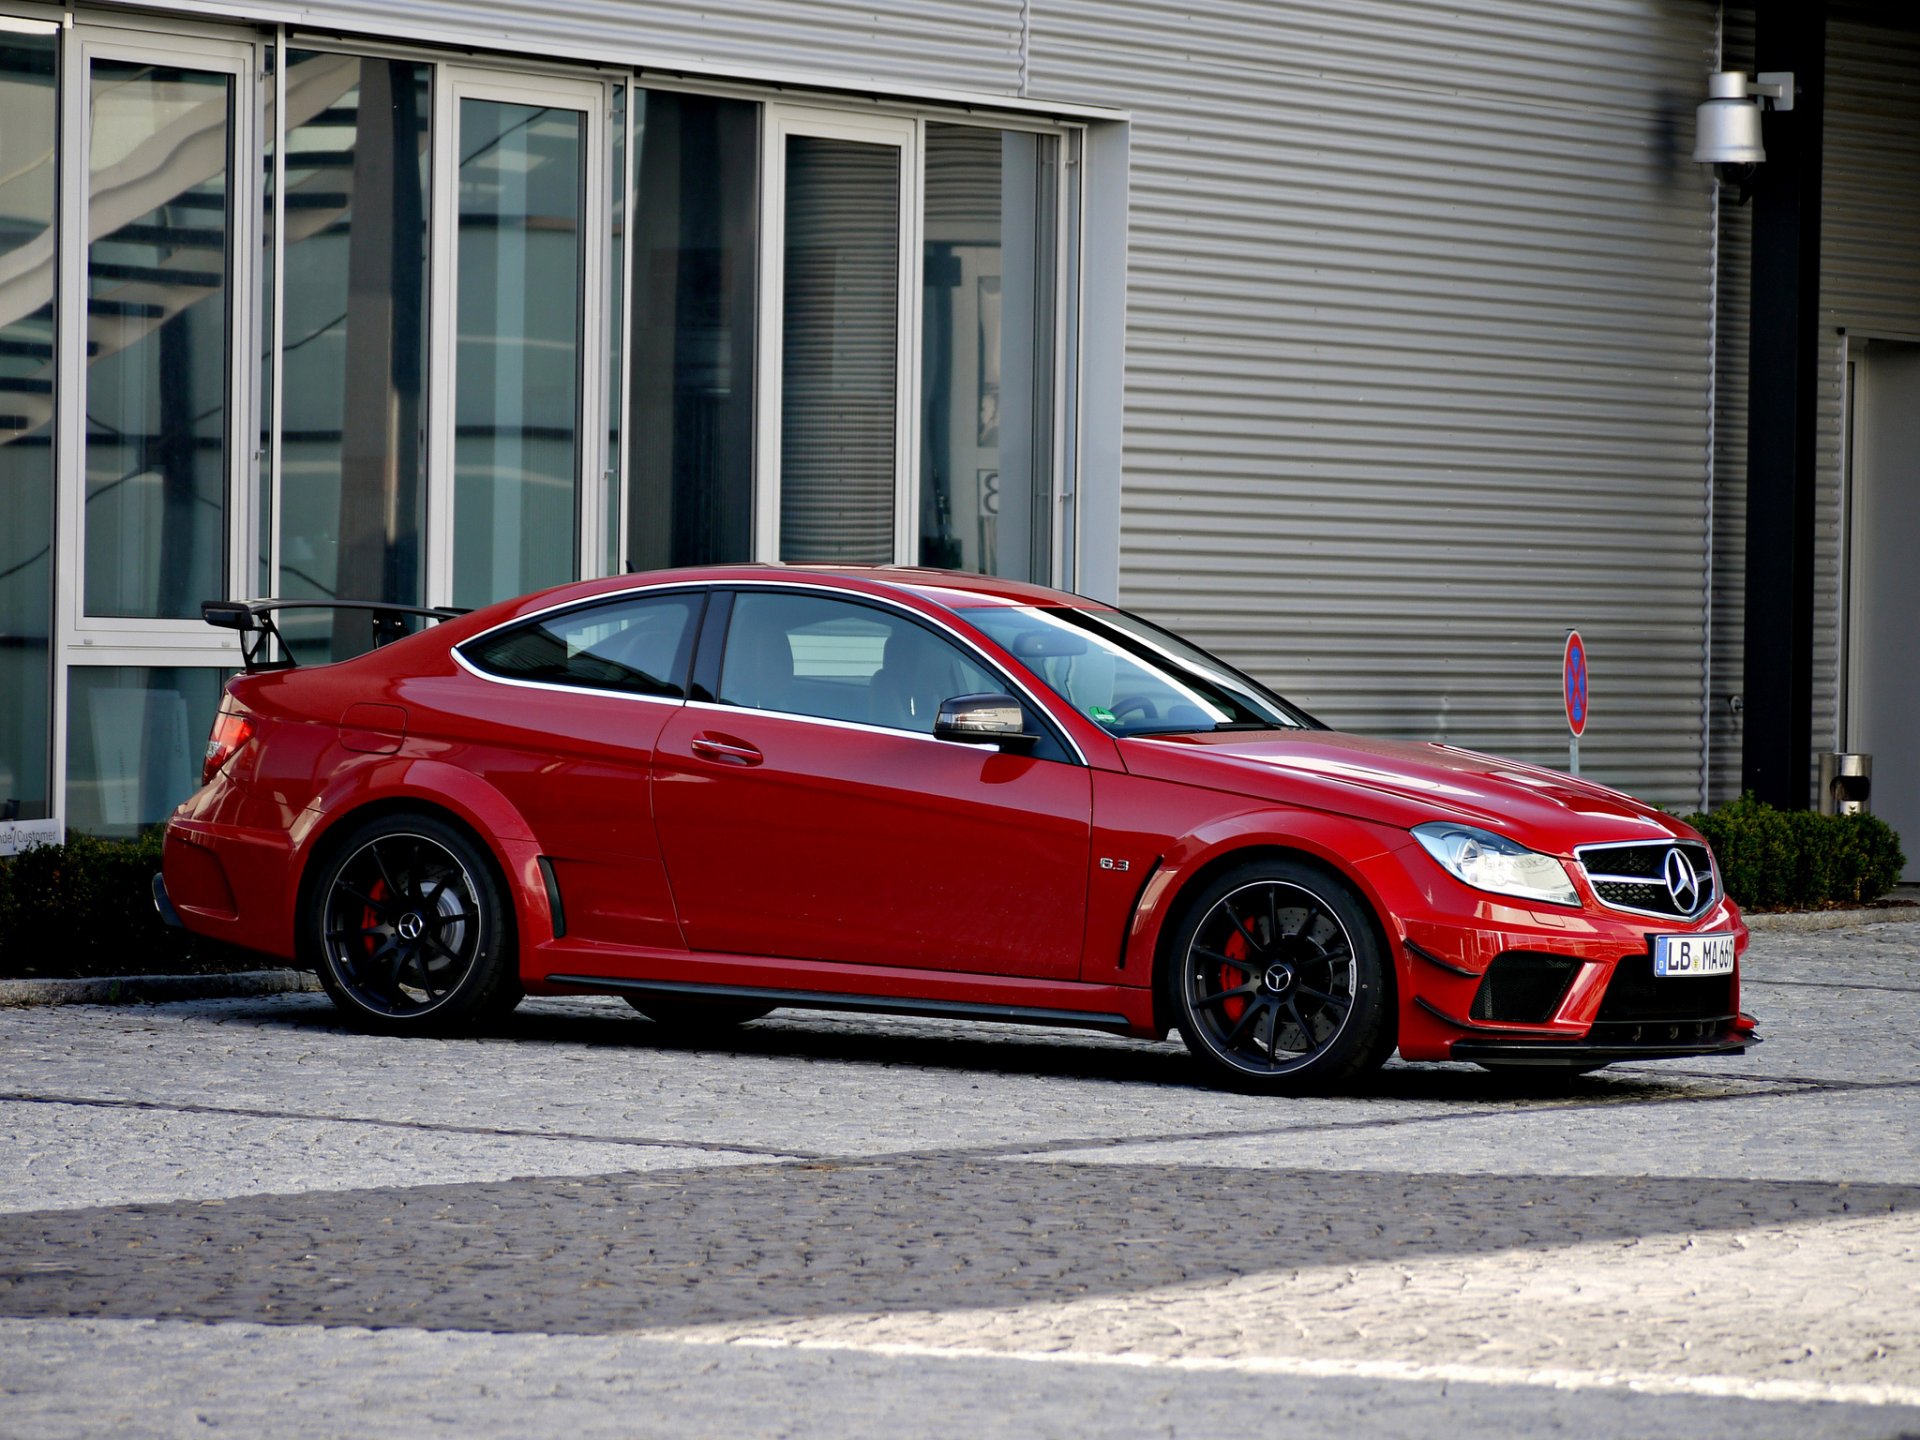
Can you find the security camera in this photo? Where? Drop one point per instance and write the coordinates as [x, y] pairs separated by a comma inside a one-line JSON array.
[[1727, 132]]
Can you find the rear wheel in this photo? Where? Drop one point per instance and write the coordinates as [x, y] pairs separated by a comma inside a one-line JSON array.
[[698, 1016], [409, 927], [1276, 980]]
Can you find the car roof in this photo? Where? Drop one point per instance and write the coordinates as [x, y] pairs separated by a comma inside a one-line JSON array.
[[951, 589]]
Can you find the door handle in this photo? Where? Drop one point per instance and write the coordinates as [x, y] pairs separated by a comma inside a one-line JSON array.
[[730, 752]]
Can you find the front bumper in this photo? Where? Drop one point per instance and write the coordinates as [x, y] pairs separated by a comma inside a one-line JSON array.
[[1553, 1054], [1587, 995]]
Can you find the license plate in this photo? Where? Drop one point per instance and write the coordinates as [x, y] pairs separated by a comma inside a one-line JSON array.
[[1693, 955]]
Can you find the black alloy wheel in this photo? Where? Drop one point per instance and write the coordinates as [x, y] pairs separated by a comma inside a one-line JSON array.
[[410, 928], [1276, 981]]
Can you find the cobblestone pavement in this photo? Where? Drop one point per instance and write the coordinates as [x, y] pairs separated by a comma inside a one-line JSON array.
[[238, 1216]]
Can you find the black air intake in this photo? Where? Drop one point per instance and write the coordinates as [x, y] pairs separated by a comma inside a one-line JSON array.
[[1523, 987]]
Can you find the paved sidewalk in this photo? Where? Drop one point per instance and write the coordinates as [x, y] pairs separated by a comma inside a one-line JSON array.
[[237, 1215]]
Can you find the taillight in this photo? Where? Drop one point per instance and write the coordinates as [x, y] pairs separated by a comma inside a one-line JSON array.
[[230, 731]]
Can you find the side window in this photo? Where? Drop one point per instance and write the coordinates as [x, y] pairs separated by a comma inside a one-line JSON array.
[[811, 655], [637, 646]]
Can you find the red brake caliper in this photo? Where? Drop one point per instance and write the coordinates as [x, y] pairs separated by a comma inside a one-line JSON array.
[[369, 918], [1232, 977]]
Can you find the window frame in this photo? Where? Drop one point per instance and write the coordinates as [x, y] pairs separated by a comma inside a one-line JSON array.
[[137, 640], [710, 656], [684, 656]]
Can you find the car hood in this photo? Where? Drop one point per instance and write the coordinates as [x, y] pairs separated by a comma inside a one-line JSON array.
[[1403, 783]]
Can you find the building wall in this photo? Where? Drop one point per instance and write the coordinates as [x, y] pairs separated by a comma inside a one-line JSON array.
[[1419, 356], [973, 45], [1870, 285]]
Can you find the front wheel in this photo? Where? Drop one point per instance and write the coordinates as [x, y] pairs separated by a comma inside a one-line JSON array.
[[409, 927], [1277, 983]]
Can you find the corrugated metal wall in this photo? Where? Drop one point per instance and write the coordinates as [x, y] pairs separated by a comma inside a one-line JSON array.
[[947, 44], [1869, 263], [1419, 355], [1870, 285]]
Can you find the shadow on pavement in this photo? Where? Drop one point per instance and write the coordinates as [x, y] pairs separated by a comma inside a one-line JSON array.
[[753, 1243], [958, 1046]]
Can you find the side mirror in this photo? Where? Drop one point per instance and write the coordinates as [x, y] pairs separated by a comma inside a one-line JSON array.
[[983, 719]]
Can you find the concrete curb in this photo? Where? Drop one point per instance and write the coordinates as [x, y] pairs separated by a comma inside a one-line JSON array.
[[152, 989], [1799, 921]]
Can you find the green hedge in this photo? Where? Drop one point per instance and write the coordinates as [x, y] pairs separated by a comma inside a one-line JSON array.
[[1794, 859], [86, 908]]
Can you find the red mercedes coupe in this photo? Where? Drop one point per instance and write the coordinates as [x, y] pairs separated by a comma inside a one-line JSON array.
[[725, 791]]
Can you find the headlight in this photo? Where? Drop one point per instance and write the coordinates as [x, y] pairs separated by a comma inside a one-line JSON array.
[[1487, 861]]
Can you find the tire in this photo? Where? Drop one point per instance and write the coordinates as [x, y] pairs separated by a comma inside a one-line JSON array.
[[698, 1017], [1276, 979], [408, 925]]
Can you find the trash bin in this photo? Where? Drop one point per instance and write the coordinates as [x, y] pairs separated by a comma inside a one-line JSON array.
[[1846, 783]]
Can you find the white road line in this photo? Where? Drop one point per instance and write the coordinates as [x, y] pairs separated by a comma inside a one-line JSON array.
[[1733, 1387], [1802, 1310]]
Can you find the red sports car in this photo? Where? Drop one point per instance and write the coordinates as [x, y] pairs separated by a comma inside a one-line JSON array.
[[719, 792]]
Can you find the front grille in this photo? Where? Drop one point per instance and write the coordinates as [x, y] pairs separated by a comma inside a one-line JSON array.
[[1635, 996], [1523, 987], [1634, 876]]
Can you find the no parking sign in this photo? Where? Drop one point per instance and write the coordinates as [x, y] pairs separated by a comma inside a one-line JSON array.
[[1573, 691]]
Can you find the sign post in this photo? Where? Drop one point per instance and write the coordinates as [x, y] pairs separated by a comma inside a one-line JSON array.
[[1573, 691]]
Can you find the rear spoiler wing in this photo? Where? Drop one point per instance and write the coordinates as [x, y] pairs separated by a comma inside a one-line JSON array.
[[254, 621]]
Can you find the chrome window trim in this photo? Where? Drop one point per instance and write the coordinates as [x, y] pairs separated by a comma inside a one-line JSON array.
[[719, 708], [465, 664], [458, 648], [1595, 880], [802, 587]]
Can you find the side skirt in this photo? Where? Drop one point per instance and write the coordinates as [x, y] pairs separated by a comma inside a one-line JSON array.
[[864, 1004]]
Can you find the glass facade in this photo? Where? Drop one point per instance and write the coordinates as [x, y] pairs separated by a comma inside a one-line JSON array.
[[158, 289], [840, 341], [279, 245], [695, 238], [986, 392], [353, 434], [29, 119], [135, 738], [516, 378]]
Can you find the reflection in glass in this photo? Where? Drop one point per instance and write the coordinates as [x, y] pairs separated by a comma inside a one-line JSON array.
[[616, 301], [353, 443], [157, 324], [693, 353], [987, 358], [262, 472], [135, 740], [28, 118], [517, 362], [839, 374]]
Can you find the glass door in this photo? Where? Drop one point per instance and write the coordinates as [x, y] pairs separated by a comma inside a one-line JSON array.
[[520, 235], [840, 268], [159, 407]]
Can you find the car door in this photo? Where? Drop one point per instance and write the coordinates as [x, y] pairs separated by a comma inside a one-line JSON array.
[[806, 811], [573, 702]]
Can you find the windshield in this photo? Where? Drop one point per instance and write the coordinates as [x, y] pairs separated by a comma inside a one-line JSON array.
[[1132, 678]]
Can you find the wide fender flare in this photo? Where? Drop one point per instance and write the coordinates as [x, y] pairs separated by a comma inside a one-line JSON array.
[[1362, 853], [383, 779]]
